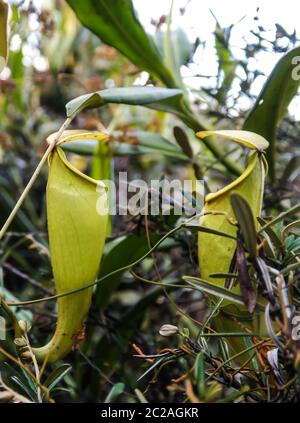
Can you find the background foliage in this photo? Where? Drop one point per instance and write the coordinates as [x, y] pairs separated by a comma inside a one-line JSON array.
[[96, 48]]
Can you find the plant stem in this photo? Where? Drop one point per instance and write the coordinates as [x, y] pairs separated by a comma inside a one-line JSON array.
[[34, 176], [12, 318], [127, 267]]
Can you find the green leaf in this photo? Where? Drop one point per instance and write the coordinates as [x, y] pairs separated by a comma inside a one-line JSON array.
[[245, 218], [183, 141], [200, 228], [115, 391], [246, 286], [147, 142], [200, 374], [3, 34], [57, 375], [292, 227], [140, 396], [25, 389], [271, 234], [272, 103], [127, 249], [131, 143], [217, 291], [154, 97], [224, 275], [116, 24]]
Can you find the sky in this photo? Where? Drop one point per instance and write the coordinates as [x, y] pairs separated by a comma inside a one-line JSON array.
[[227, 11]]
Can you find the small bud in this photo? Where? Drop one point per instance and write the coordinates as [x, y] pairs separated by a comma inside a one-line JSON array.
[[23, 326], [168, 330], [20, 342]]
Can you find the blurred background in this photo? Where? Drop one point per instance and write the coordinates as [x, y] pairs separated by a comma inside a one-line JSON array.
[[228, 50]]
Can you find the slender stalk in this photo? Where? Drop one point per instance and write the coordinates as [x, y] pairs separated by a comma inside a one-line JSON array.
[[34, 176], [12, 318], [233, 357], [36, 369], [292, 211], [127, 267], [32, 281]]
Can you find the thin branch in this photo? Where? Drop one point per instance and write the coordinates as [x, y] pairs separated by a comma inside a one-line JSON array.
[[34, 176]]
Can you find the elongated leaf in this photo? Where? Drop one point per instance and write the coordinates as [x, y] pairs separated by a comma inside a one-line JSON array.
[[265, 276], [293, 227], [115, 391], [200, 374], [272, 103], [3, 34], [224, 275], [245, 218], [57, 375], [246, 286], [271, 234], [183, 142], [216, 291], [148, 142], [200, 228], [25, 389], [116, 24], [153, 97], [129, 143], [77, 217]]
